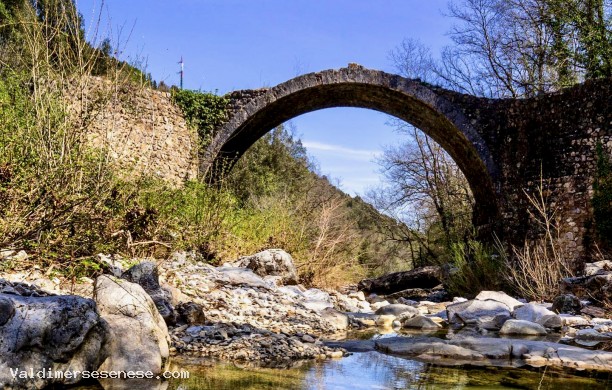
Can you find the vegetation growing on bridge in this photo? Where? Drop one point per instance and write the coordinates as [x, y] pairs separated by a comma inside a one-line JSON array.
[[205, 111]]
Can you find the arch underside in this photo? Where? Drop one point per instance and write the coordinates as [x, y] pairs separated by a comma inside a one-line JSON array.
[[418, 106]]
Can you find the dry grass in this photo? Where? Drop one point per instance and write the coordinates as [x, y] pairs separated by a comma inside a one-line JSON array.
[[536, 269]]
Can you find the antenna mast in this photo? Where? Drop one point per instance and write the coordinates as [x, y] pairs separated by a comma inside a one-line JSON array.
[[182, 70]]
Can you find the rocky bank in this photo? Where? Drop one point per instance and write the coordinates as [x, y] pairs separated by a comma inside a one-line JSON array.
[[141, 314]]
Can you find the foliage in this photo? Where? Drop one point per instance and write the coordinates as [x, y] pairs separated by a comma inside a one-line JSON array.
[[59, 199], [204, 111], [602, 197], [475, 267]]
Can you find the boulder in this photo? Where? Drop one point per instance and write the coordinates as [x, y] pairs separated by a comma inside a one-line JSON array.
[[191, 313], [539, 314], [504, 352], [551, 321], [396, 309], [570, 320], [64, 333], [521, 327], [423, 278], [566, 304], [499, 296], [385, 320], [271, 262], [485, 314], [139, 334], [145, 274], [339, 320], [317, 300], [238, 276], [592, 334], [421, 322], [598, 267]]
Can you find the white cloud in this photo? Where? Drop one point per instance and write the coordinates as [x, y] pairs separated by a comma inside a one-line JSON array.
[[360, 154]]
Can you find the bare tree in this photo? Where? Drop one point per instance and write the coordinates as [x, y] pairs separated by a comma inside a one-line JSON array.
[[516, 48], [426, 191]]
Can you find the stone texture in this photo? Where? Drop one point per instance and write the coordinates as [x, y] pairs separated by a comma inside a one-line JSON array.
[[486, 314], [566, 304], [421, 322], [499, 296], [58, 332], [273, 262], [502, 352], [521, 327], [592, 334], [598, 267], [191, 313], [143, 130], [145, 274], [422, 278], [339, 321], [140, 336], [539, 314]]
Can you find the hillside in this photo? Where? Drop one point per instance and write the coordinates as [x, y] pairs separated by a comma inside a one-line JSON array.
[[94, 160]]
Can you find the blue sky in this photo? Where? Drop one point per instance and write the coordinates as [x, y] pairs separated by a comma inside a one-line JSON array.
[[240, 44]]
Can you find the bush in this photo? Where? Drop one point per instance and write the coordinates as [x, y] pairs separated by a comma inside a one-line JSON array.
[[204, 111], [475, 267]]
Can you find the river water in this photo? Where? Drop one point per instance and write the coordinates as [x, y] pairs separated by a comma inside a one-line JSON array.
[[373, 370], [361, 371]]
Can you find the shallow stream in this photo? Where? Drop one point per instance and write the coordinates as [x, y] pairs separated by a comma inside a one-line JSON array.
[[364, 370]]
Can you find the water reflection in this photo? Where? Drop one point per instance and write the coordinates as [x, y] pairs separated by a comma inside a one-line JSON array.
[[372, 370]]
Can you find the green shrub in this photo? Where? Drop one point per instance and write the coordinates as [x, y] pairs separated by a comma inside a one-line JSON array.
[[475, 267], [204, 111]]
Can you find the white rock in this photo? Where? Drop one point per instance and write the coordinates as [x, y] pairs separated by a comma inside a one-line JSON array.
[[522, 327], [499, 296], [377, 305], [597, 267], [141, 339], [486, 314], [571, 320]]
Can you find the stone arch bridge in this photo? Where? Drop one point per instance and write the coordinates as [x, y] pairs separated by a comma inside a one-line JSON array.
[[503, 146]]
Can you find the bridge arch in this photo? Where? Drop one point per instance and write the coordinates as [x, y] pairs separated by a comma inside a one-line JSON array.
[[415, 102]]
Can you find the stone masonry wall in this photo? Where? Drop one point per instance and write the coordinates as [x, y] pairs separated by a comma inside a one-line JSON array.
[[143, 131], [548, 142], [507, 148]]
